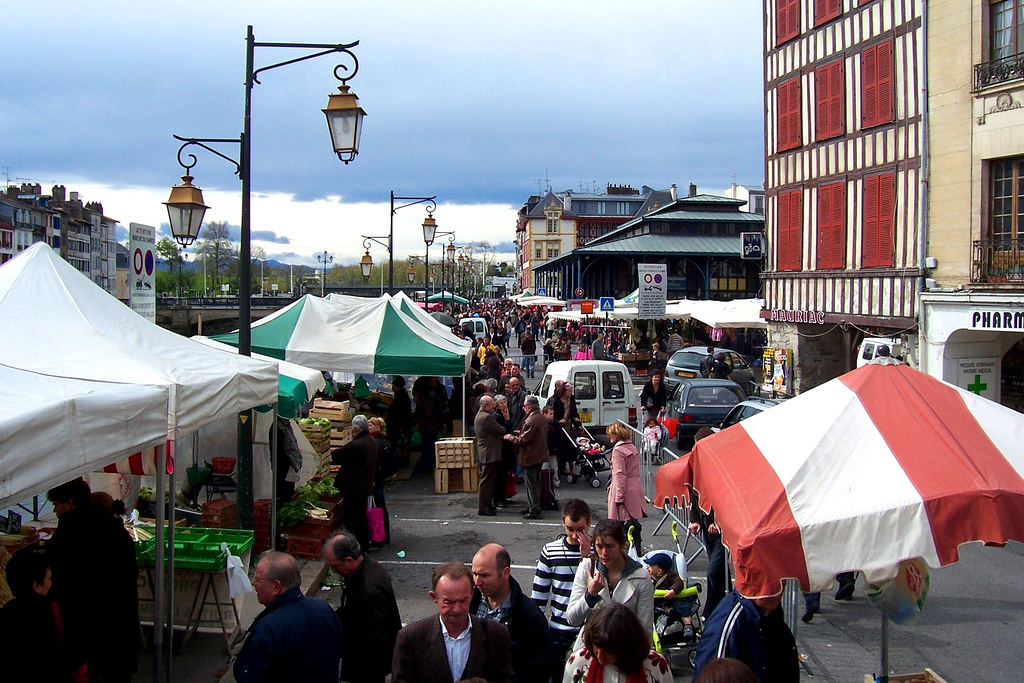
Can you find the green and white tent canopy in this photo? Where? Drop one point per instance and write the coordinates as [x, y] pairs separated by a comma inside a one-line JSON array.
[[447, 296], [358, 336], [296, 384]]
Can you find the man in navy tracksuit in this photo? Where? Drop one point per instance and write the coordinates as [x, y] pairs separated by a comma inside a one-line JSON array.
[[754, 632]]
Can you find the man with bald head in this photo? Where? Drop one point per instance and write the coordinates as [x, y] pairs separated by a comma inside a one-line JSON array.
[[498, 597], [295, 638], [488, 451]]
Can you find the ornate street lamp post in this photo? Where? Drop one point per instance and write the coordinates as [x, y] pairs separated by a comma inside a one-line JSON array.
[[325, 259]]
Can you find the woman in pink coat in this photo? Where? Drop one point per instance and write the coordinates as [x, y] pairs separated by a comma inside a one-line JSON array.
[[626, 501]]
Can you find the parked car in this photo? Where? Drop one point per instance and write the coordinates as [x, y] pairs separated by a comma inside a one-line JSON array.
[[603, 389], [701, 402], [685, 364], [867, 351], [748, 408]]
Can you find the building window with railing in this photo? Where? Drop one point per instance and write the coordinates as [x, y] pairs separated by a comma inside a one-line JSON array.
[[1006, 47], [997, 257]]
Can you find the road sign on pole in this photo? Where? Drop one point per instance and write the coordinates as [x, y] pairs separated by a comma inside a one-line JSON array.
[[653, 279], [579, 292], [607, 304]]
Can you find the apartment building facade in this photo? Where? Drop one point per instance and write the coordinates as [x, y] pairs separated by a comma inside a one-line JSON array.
[[972, 308], [843, 143]]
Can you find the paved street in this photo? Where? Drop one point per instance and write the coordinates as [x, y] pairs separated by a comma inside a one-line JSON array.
[[970, 629]]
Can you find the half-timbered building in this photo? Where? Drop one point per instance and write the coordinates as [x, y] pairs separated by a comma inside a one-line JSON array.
[[843, 142]]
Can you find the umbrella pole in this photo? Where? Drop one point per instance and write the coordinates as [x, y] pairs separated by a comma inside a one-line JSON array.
[[884, 675]]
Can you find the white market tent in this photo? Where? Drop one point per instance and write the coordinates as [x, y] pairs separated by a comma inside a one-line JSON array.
[[58, 323], [54, 429], [736, 313]]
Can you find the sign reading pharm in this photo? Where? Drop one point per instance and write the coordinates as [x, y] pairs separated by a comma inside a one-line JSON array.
[[653, 278]]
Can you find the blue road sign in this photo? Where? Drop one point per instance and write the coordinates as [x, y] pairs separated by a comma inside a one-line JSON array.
[[607, 304], [542, 291]]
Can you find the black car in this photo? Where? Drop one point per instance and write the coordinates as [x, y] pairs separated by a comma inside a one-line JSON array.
[[701, 402]]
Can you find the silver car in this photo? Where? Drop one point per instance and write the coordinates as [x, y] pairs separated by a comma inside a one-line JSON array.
[[685, 364]]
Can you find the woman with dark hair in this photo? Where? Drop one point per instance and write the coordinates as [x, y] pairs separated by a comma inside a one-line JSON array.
[[607, 575], [616, 647], [727, 670]]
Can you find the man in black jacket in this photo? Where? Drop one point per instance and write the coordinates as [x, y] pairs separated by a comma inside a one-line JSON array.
[[369, 612], [498, 597]]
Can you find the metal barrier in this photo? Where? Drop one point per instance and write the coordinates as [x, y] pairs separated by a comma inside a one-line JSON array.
[[650, 460]]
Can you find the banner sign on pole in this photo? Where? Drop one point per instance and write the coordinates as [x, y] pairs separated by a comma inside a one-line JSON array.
[[142, 270], [653, 278]]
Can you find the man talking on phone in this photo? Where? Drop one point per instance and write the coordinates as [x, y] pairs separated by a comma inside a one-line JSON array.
[[552, 582]]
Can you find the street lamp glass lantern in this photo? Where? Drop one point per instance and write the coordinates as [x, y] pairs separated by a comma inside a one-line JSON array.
[[429, 229], [185, 211], [411, 275], [345, 122], [366, 265], [451, 252]]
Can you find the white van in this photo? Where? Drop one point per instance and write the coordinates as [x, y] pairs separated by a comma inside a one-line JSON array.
[[603, 389], [475, 327], [868, 349]]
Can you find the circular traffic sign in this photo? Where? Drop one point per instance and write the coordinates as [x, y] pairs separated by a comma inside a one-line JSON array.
[[580, 292], [150, 262], [137, 261], [648, 278]]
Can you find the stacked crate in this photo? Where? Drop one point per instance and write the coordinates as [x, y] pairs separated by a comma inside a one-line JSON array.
[[319, 437], [456, 466], [306, 539], [261, 524], [341, 431], [220, 514]]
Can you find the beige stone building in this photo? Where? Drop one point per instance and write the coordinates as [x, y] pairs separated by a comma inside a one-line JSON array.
[[972, 303]]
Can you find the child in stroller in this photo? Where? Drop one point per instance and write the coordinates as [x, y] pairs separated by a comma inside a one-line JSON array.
[[677, 622], [586, 456], [655, 436]]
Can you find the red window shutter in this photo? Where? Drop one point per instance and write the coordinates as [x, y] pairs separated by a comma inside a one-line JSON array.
[[789, 114], [828, 93], [876, 87], [879, 206], [831, 225], [787, 20], [824, 10], [789, 239]]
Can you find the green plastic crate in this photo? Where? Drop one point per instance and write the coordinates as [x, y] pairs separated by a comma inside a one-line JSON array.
[[187, 555], [238, 540]]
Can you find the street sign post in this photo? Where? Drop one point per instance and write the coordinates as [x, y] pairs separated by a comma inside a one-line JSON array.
[[142, 269], [753, 245], [607, 304], [653, 278], [579, 292]]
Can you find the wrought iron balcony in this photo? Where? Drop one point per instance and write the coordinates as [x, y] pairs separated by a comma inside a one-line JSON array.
[[998, 71], [997, 261]]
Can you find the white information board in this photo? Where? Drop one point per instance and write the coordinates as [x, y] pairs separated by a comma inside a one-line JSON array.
[[142, 270], [979, 376], [653, 278]]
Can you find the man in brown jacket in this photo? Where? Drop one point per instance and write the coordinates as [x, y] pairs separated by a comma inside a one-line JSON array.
[[453, 645], [488, 451], [532, 442]]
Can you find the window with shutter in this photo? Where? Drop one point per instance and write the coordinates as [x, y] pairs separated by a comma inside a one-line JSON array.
[[825, 10], [879, 209], [831, 225], [788, 114], [788, 235], [876, 85], [787, 20], [829, 96]]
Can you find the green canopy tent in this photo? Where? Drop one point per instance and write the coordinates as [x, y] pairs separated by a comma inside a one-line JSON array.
[[447, 296]]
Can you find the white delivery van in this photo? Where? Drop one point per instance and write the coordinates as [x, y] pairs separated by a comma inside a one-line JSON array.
[[603, 389], [868, 349], [476, 327]]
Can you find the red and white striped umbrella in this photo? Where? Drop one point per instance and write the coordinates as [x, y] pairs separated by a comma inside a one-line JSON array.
[[882, 464]]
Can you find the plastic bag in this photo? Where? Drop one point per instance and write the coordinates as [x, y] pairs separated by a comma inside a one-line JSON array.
[[902, 598], [238, 580], [375, 520]]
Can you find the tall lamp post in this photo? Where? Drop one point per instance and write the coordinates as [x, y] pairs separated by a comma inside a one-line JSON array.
[[185, 207], [429, 230], [324, 258], [450, 234], [182, 258], [366, 263]]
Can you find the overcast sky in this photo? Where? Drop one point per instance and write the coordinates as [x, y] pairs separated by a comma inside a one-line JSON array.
[[479, 103]]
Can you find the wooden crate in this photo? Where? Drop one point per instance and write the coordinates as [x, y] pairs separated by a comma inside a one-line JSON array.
[[926, 676], [335, 416], [456, 479], [340, 437], [330, 405], [455, 453]]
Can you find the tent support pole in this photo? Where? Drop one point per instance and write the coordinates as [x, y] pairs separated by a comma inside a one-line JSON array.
[[883, 676], [172, 491], [159, 578], [273, 480]]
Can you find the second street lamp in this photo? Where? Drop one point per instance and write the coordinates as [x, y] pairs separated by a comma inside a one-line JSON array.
[[324, 258]]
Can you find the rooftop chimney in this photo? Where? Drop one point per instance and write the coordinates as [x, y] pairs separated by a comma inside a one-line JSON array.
[[59, 193], [693, 190], [672, 190]]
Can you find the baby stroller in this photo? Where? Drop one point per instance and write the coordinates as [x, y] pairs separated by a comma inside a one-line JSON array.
[[587, 457], [678, 625]]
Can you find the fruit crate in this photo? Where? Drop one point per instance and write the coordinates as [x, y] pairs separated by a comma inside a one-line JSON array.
[[304, 548], [456, 453], [456, 479]]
